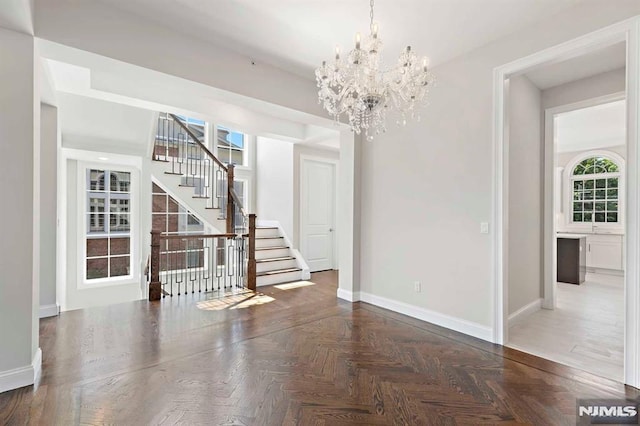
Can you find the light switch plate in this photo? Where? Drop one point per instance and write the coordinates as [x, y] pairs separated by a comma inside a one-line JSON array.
[[484, 227]]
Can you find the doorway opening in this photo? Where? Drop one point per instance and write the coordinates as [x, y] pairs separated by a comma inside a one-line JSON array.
[[566, 204], [581, 322]]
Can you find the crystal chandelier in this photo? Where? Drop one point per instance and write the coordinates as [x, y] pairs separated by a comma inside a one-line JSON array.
[[360, 88]]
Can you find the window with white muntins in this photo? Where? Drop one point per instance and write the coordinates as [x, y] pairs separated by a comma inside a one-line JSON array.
[[108, 224], [596, 190]]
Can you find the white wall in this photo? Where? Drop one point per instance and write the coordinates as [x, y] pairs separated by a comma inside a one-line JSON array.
[[274, 182], [299, 150], [587, 88], [437, 187], [19, 249], [525, 219], [48, 208]]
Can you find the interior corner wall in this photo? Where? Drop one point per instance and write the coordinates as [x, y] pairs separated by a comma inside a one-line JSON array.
[[19, 129], [427, 187], [603, 84], [298, 151], [274, 182], [526, 174], [48, 206]]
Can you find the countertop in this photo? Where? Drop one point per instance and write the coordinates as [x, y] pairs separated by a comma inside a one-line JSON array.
[[572, 236]]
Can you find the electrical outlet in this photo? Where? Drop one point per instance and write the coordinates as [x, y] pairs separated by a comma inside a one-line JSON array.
[[484, 227], [417, 286]]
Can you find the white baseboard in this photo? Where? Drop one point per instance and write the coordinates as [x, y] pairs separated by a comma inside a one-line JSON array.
[[614, 272], [524, 312], [349, 296], [49, 310], [22, 376], [463, 326]]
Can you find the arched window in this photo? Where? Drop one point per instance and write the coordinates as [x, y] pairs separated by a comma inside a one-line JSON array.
[[596, 192]]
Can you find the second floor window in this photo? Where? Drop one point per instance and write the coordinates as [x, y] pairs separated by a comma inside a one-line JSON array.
[[231, 146]]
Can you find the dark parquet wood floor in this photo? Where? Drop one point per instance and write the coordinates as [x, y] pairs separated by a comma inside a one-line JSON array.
[[287, 356]]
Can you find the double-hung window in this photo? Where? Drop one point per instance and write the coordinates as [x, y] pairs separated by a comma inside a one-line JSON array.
[[108, 224]]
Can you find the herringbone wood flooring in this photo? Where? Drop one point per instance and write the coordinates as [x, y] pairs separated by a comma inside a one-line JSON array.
[[302, 358]]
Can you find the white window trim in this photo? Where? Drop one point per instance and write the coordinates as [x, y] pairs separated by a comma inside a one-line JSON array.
[[134, 276], [567, 189], [248, 150]]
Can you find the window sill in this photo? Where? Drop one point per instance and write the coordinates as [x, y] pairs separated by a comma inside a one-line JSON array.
[[107, 282]]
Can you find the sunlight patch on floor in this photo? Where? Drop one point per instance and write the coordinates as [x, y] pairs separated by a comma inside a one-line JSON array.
[[296, 284], [239, 301]]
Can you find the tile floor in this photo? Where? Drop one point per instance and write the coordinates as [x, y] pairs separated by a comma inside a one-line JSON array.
[[585, 331]]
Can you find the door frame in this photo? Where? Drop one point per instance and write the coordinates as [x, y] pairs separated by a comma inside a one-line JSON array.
[[629, 32], [335, 164], [550, 181]]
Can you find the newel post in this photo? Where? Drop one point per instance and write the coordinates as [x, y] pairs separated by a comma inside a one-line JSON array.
[[155, 287], [251, 261], [230, 203]]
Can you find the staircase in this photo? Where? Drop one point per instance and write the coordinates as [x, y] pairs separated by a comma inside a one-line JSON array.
[[275, 261], [190, 173]]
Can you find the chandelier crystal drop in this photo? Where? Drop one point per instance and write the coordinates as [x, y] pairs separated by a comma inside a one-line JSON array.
[[358, 86]]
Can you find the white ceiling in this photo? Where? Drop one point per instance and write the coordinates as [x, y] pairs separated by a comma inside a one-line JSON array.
[[595, 127], [298, 34], [594, 63]]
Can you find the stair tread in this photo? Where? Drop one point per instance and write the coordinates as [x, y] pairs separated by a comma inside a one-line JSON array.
[[278, 271], [266, 227], [275, 259], [172, 173], [267, 238], [272, 248]]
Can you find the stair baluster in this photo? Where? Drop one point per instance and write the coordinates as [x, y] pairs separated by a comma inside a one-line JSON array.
[[189, 261]]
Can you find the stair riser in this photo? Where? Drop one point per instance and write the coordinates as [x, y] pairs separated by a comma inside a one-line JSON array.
[[267, 232], [279, 278], [269, 254], [273, 266], [271, 242]]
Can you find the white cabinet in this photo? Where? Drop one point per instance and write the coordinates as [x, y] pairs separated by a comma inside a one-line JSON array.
[[605, 252]]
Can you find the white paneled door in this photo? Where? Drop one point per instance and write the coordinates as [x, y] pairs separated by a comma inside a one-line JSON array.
[[317, 213]]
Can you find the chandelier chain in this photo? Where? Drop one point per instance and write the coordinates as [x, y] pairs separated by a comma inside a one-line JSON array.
[[371, 16]]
